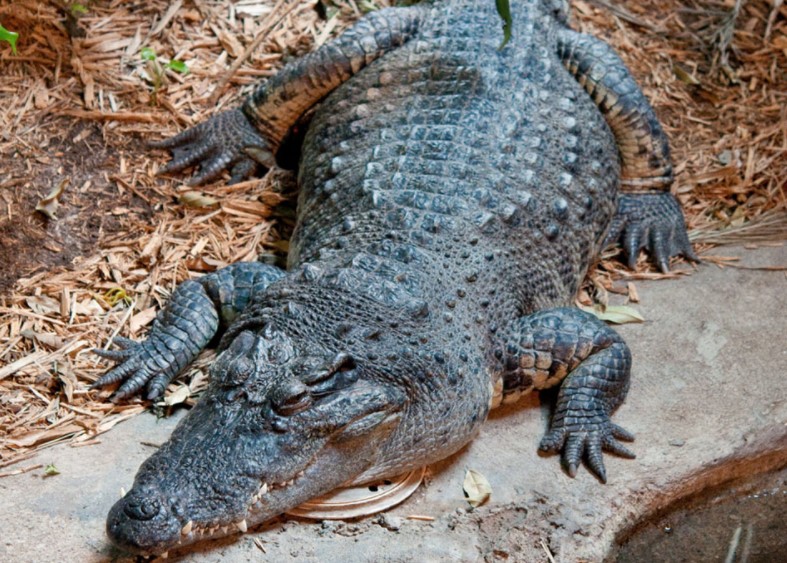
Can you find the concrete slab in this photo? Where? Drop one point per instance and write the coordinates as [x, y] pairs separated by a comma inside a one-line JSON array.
[[708, 403]]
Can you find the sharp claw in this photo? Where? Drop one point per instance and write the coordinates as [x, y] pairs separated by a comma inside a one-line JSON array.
[[124, 342], [181, 162], [572, 470], [156, 387], [114, 355], [601, 473], [211, 170], [130, 387], [113, 376], [621, 433], [180, 138], [242, 170], [631, 243], [612, 445], [688, 252]]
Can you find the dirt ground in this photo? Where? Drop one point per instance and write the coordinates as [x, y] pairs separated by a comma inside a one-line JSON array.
[[80, 98]]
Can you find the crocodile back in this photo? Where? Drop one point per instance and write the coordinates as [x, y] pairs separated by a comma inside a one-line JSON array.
[[452, 167]]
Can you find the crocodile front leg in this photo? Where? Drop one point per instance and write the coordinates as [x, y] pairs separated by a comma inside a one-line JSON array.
[[592, 362], [195, 313], [239, 139], [648, 215]]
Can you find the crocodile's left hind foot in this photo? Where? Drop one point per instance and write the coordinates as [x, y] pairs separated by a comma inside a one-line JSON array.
[[654, 222]]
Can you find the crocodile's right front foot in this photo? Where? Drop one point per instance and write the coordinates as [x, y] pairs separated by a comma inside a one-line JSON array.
[[227, 141]]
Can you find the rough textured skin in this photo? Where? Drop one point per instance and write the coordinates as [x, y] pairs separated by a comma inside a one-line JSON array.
[[452, 197]]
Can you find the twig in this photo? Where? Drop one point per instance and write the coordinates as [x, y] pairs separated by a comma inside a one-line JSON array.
[[777, 6], [547, 551], [22, 470], [260, 37], [626, 15]]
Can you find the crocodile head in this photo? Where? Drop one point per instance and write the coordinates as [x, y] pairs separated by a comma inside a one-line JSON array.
[[275, 428]]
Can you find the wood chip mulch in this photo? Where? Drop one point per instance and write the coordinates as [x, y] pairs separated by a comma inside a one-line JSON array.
[[81, 90]]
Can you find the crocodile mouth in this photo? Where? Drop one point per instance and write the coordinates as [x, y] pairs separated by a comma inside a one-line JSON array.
[[256, 513]]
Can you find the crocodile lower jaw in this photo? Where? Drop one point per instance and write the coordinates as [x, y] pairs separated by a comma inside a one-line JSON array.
[[191, 532]]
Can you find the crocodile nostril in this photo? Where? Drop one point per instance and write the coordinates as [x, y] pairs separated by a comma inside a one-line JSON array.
[[142, 508]]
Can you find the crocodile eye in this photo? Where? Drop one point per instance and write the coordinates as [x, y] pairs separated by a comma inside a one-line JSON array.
[[342, 372], [291, 398], [239, 370]]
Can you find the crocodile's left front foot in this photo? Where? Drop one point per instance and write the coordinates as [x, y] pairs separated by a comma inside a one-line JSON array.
[[654, 222], [586, 433]]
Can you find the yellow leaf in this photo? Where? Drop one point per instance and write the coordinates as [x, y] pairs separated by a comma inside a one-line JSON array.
[[618, 314], [178, 396], [477, 488], [197, 200]]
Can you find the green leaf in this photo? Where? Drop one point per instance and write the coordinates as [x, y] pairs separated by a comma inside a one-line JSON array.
[[504, 9], [9, 37], [178, 66], [476, 488], [147, 54], [77, 9], [50, 469], [618, 314]]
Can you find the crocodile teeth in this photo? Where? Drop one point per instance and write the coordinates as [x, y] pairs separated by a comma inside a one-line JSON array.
[[225, 530], [164, 555], [264, 489], [242, 526], [187, 528]]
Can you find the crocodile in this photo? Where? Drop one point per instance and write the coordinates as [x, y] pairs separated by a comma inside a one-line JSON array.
[[452, 196]]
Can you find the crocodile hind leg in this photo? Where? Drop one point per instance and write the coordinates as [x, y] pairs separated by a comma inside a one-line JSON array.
[[197, 310], [242, 138], [591, 363], [648, 215]]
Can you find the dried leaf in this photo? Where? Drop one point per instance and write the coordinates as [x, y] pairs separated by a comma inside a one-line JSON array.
[[198, 200], [618, 314], [143, 318], [48, 206], [45, 338], [43, 304], [178, 396], [477, 489]]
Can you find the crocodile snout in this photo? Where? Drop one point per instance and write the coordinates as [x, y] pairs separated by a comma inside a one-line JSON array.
[[142, 522], [141, 508]]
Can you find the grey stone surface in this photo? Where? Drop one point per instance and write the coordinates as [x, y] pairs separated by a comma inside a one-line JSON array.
[[708, 402]]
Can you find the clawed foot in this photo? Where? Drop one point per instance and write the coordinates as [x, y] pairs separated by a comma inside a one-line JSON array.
[[227, 141], [139, 364], [587, 440], [654, 222]]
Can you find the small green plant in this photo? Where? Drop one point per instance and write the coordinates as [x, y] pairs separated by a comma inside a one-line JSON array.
[[78, 9], [9, 37], [156, 70], [504, 9]]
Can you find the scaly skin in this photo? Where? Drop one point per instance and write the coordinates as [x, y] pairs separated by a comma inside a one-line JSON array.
[[452, 196]]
